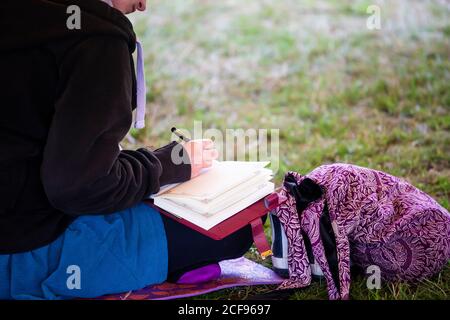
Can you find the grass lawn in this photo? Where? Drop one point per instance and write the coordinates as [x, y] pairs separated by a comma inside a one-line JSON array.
[[337, 91]]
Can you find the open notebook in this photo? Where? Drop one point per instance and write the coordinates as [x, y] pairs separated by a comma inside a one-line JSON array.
[[218, 193]]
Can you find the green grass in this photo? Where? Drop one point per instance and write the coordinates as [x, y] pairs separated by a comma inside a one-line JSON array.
[[337, 91]]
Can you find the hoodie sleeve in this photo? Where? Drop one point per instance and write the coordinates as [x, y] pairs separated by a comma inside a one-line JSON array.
[[84, 171]]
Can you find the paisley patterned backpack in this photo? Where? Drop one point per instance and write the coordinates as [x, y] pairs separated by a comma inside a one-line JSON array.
[[343, 214]]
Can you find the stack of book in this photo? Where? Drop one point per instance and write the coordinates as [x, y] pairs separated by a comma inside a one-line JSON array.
[[218, 193]]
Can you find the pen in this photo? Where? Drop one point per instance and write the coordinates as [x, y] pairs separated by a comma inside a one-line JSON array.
[[179, 134]]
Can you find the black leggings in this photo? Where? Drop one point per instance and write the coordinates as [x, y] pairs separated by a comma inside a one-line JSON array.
[[189, 249]]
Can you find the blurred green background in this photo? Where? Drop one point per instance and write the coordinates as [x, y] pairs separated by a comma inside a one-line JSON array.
[[337, 91]]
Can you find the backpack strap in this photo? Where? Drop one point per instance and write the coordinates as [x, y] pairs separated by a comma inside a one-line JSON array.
[[343, 255], [328, 240], [306, 215], [330, 249], [298, 263], [260, 239], [313, 225]]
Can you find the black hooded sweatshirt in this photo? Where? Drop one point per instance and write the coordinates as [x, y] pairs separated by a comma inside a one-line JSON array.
[[66, 101]]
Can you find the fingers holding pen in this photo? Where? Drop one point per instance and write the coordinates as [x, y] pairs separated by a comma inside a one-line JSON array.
[[202, 153]]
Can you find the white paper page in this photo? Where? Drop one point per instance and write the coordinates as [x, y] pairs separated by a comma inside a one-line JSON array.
[[168, 187], [224, 200], [221, 177]]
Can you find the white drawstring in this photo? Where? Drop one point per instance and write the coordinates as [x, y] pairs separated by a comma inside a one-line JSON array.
[[141, 90]]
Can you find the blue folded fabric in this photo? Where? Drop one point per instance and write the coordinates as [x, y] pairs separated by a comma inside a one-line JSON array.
[[96, 255]]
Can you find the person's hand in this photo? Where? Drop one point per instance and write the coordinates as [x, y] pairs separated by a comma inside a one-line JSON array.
[[201, 154]]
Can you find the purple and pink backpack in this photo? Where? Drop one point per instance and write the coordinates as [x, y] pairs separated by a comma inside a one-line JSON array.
[[342, 215]]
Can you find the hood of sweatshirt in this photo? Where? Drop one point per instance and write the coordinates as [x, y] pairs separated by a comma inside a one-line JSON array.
[[41, 21], [44, 21]]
